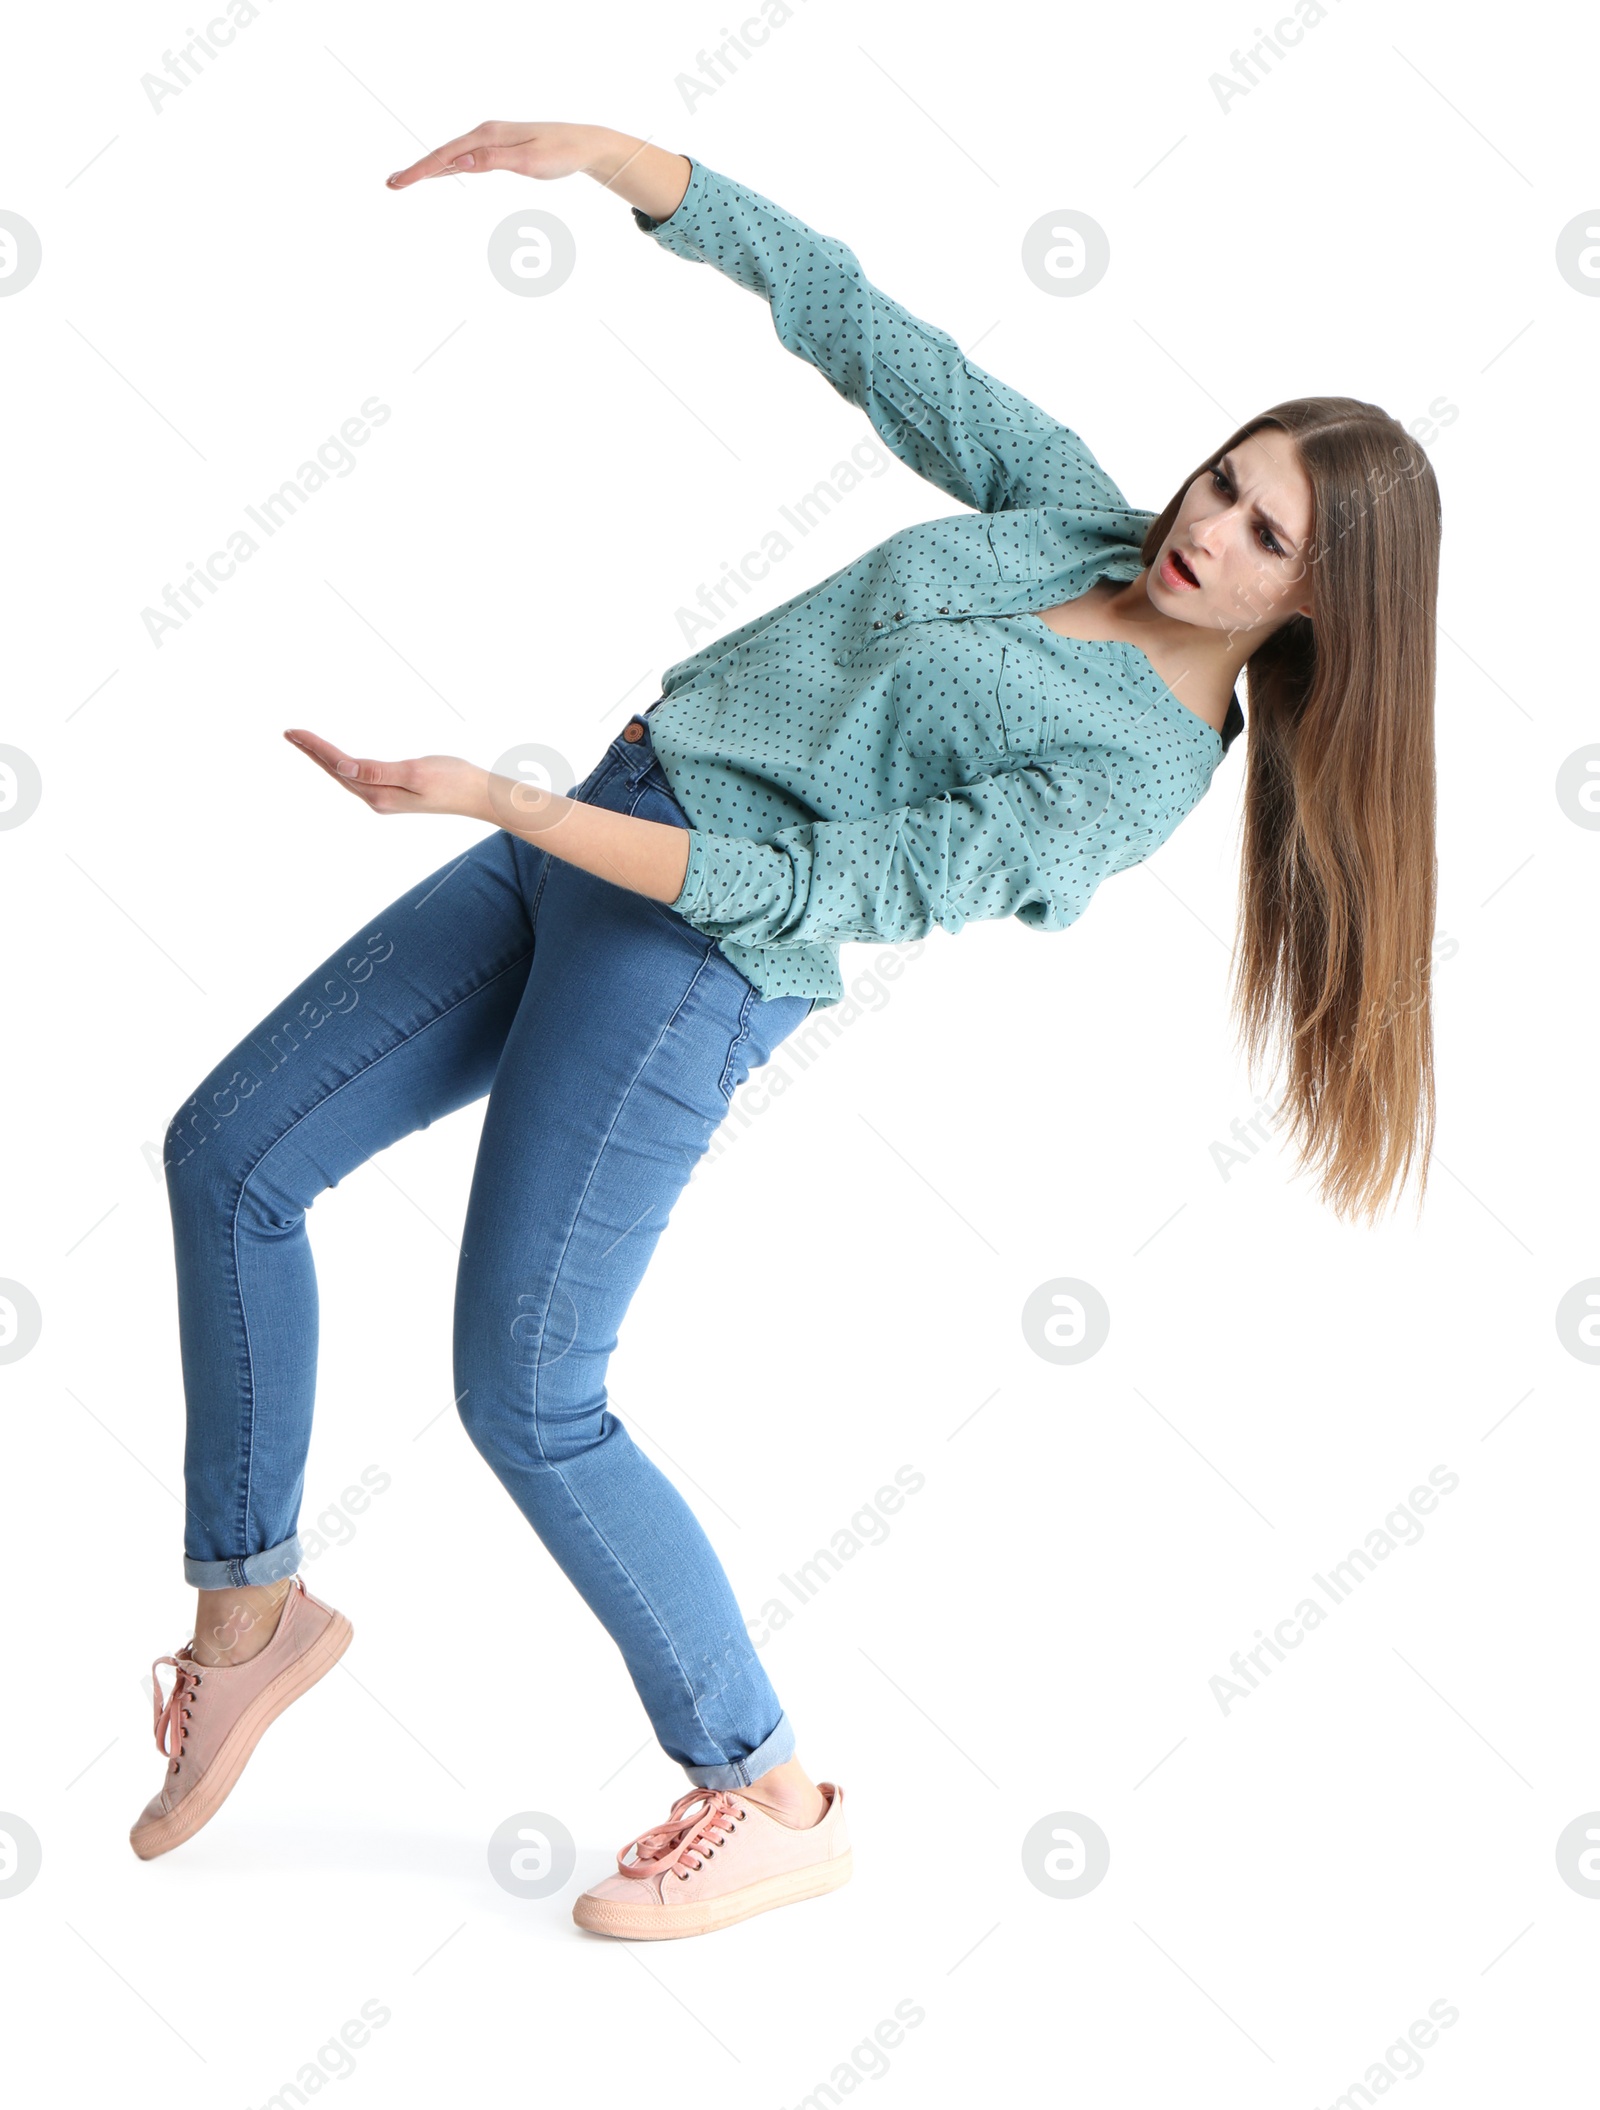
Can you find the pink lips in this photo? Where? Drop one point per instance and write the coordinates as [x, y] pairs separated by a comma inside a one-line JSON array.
[[1172, 575]]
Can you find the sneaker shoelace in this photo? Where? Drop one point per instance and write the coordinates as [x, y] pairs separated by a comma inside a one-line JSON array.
[[687, 1840], [172, 1714]]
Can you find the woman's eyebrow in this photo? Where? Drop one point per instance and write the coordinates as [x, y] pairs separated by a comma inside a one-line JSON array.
[[1277, 527]]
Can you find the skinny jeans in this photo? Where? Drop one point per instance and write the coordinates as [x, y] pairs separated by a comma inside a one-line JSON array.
[[609, 1037]]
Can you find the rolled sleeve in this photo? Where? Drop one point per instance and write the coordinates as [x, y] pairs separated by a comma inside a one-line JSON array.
[[678, 230], [694, 875], [1032, 842]]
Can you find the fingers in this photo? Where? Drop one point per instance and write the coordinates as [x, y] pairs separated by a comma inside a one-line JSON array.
[[385, 786], [471, 151], [323, 752], [379, 776]]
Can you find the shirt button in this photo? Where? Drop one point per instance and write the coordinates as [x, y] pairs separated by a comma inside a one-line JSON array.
[[944, 611], [899, 615], [877, 626], [633, 730]]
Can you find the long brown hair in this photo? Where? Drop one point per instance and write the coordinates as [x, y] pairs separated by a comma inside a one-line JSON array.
[[1338, 871]]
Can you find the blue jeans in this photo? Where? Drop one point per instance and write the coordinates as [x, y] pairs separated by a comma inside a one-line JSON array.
[[609, 1036]]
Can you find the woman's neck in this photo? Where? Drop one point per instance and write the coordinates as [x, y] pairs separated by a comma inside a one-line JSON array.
[[1200, 666]]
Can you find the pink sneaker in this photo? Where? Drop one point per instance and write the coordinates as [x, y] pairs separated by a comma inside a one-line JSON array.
[[718, 1858], [216, 1714]]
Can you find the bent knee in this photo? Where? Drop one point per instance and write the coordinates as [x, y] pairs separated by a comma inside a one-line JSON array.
[[210, 1116], [217, 1157], [539, 1413]]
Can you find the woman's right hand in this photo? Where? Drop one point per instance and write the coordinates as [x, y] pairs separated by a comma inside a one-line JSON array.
[[524, 149], [649, 177]]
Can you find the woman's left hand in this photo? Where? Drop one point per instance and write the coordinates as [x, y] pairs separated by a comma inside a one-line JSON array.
[[648, 857], [426, 784]]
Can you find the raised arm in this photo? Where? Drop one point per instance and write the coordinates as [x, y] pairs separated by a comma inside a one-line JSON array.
[[956, 425], [949, 420]]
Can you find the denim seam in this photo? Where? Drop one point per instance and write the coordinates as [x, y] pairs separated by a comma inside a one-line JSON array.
[[538, 1434], [741, 1766], [538, 896], [725, 1081], [405, 1040], [597, 780]]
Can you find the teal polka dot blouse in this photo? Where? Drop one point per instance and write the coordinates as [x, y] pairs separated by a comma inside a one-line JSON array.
[[907, 745]]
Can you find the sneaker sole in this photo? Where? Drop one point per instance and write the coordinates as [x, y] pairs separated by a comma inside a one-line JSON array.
[[203, 1802], [666, 1922]]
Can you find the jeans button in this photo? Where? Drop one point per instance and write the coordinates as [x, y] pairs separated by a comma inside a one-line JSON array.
[[633, 730]]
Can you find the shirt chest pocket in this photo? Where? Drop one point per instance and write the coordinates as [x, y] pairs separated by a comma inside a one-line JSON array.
[[1026, 701], [988, 705], [950, 712], [1016, 541]]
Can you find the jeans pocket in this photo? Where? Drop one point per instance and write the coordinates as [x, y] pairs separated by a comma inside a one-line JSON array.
[[652, 800], [591, 792]]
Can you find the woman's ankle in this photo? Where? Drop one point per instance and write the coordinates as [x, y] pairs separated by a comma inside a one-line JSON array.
[[790, 1794], [231, 1626]]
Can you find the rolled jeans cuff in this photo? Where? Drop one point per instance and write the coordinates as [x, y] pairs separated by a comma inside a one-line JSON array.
[[741, 1772], [254, 1569]]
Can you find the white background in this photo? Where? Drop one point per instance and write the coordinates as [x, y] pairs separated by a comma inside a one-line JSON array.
[[1291, 1884]]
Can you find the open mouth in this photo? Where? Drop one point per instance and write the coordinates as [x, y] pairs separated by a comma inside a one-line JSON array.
[[1184, 570]]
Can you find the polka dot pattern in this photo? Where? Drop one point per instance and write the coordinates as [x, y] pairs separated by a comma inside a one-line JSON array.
[[907, 745]]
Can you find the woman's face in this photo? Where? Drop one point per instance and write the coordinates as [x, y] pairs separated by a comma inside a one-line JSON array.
[[1244, 532]]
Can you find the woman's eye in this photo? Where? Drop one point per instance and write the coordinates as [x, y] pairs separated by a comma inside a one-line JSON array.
[[1219, 482]]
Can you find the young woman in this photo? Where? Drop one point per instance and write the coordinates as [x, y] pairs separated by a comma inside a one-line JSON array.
[[983, 716]]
